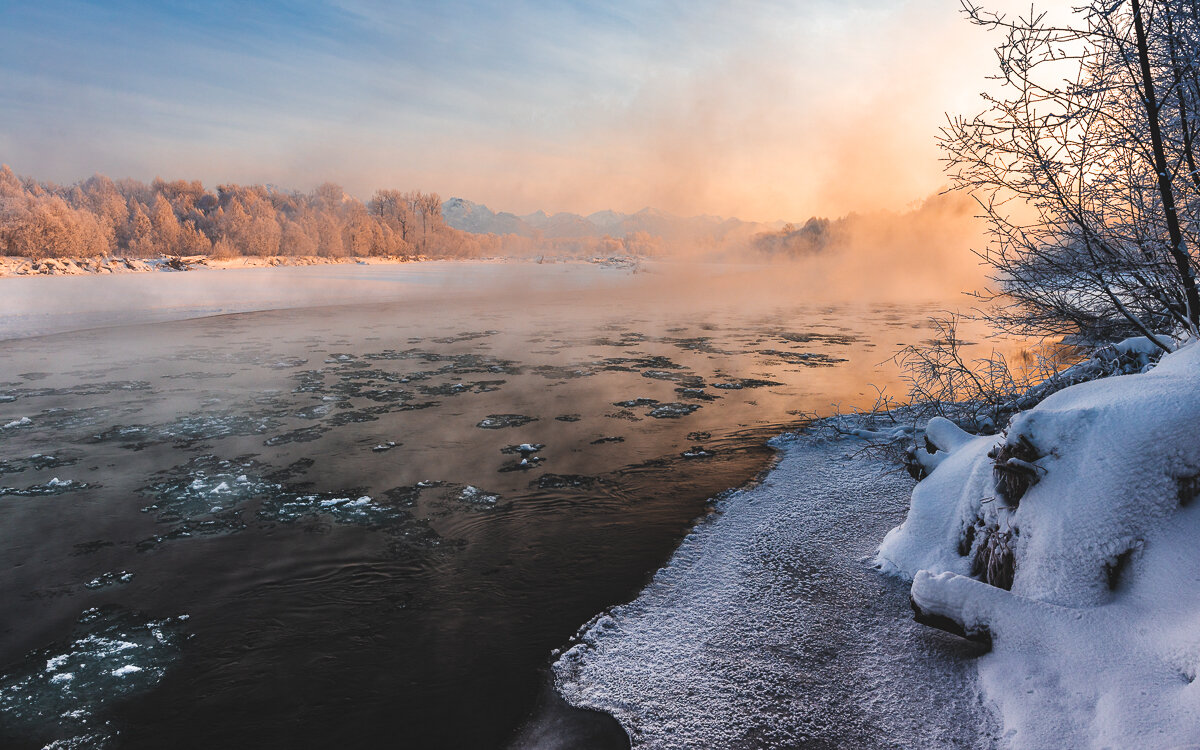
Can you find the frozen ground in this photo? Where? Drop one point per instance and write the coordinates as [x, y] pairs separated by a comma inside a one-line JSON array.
[[769, 628]]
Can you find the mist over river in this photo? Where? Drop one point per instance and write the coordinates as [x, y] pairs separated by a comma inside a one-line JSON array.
[[367, 517]]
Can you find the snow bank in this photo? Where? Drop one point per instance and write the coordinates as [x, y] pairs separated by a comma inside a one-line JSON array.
[[1084, 509], [769, 628], [23, 266]]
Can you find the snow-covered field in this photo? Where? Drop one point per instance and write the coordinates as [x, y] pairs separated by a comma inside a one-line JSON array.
[[1086, 508], [770, 628]]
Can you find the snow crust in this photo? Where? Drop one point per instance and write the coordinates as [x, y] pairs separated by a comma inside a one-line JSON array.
[[1096, 644], [769, 628]]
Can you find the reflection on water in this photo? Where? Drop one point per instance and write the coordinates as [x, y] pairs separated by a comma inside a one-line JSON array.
[[370, 526]]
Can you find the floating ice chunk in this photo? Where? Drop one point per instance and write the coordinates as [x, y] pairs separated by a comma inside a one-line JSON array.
[[63, 677], [22, 422], [127, 669], [474, 495], [524, 449], [108, 579], [672, 410]]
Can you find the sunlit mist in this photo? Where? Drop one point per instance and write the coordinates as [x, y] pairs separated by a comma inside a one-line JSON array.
[[765, 111]]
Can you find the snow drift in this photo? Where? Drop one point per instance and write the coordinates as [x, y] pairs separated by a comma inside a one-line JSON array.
[[1072, 544]]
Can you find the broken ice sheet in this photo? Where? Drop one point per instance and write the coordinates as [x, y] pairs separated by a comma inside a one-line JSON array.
[[501, 421], [109, 579], [672, 410], [37, 462], [204, 486], [54, 486], [350, 508], [474, 496], [61, 692]]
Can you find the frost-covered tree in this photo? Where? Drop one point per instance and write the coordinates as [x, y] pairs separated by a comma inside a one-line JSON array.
[[1084, 164], [99, 216]]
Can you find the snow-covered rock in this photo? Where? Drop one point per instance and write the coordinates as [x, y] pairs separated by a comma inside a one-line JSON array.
[[1084, 508]]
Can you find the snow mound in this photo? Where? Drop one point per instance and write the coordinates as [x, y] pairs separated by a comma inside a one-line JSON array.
[[1082, 516], [769, 628]]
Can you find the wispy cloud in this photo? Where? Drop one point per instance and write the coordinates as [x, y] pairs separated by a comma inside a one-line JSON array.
[[763, 109]]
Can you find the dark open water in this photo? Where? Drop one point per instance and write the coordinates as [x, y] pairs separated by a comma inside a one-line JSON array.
[[312, 528]]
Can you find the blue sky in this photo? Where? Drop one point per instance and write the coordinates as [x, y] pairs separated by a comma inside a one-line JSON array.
[[760, 109]]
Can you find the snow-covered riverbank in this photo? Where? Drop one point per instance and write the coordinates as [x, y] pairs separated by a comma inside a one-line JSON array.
[[15, 265], [1086, 509], [770, 628]]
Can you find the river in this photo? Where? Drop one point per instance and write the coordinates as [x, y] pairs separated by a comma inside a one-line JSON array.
[[362, 507]]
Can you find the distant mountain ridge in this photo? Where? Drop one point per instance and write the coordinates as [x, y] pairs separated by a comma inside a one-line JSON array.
[[477, 218]]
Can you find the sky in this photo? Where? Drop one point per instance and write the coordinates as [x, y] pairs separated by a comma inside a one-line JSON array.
[[759, 109]]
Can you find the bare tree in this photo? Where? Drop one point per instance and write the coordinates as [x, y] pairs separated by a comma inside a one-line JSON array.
[[1084, 167]]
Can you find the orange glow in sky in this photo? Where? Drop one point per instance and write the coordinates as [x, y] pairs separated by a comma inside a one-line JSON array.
[[762, 110]]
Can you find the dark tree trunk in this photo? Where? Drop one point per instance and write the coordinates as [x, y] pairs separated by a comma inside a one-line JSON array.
[[1178, 251]]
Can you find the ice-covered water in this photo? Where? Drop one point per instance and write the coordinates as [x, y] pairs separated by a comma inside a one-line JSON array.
[[381, 519]]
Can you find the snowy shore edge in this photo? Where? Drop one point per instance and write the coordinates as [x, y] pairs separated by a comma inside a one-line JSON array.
[[11, 265], [1077, 585], [770, 628]]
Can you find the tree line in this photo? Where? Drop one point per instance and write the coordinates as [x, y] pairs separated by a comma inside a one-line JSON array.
[[100, 216]]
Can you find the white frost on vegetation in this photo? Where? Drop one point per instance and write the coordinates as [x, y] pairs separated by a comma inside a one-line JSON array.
[[1096, 644]]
